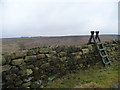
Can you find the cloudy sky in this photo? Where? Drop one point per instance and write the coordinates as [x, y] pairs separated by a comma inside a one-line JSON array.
[[21, 18]]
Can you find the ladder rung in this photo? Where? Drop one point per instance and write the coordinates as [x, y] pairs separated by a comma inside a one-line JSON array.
[[99, 43], [108, 63], [102, 49], [104, 56]]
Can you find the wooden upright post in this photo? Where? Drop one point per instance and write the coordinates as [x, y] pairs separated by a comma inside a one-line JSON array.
[[91, 37], [97, 36]]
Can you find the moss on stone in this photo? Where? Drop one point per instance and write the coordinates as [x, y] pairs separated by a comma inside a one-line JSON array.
[[20, 54], [63, 58], [45, 66], [30, 58], [26, 72], [25, 85], [77, 57], [17, 61], [41, 56], [61, 54], [45, 50]]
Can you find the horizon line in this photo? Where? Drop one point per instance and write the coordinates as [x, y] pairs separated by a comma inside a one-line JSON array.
[[50, 36]]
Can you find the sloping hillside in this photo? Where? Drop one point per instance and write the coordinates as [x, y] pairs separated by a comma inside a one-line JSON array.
[[14, 44]]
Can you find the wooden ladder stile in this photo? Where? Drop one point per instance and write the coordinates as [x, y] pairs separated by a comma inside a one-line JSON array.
[[100, 47]]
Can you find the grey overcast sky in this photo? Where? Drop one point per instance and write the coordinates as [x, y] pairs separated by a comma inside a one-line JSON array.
[[21, 18]]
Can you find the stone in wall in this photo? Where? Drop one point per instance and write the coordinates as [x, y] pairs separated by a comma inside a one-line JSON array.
[[5, 68], [25, 72], [2, 60], [17, 61], [45, 50], [30, 58], [48, 55], [19, 54], [26, 85], [61, 54], [7, 58], [41, 56], [84, 51]]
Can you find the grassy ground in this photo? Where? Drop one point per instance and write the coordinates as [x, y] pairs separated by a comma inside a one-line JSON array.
[[95, 77]]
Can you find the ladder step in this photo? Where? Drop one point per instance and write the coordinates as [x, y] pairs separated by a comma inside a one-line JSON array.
[[102, 49], [99, 43], [104, 56], [108, 63]]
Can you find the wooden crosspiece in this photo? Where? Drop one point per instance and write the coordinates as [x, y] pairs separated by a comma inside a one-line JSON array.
[[95, 39]]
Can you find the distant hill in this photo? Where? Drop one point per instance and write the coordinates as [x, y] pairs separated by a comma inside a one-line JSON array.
[[14, 44]]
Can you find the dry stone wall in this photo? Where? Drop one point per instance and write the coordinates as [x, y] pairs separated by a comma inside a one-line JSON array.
[[35, 67]]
